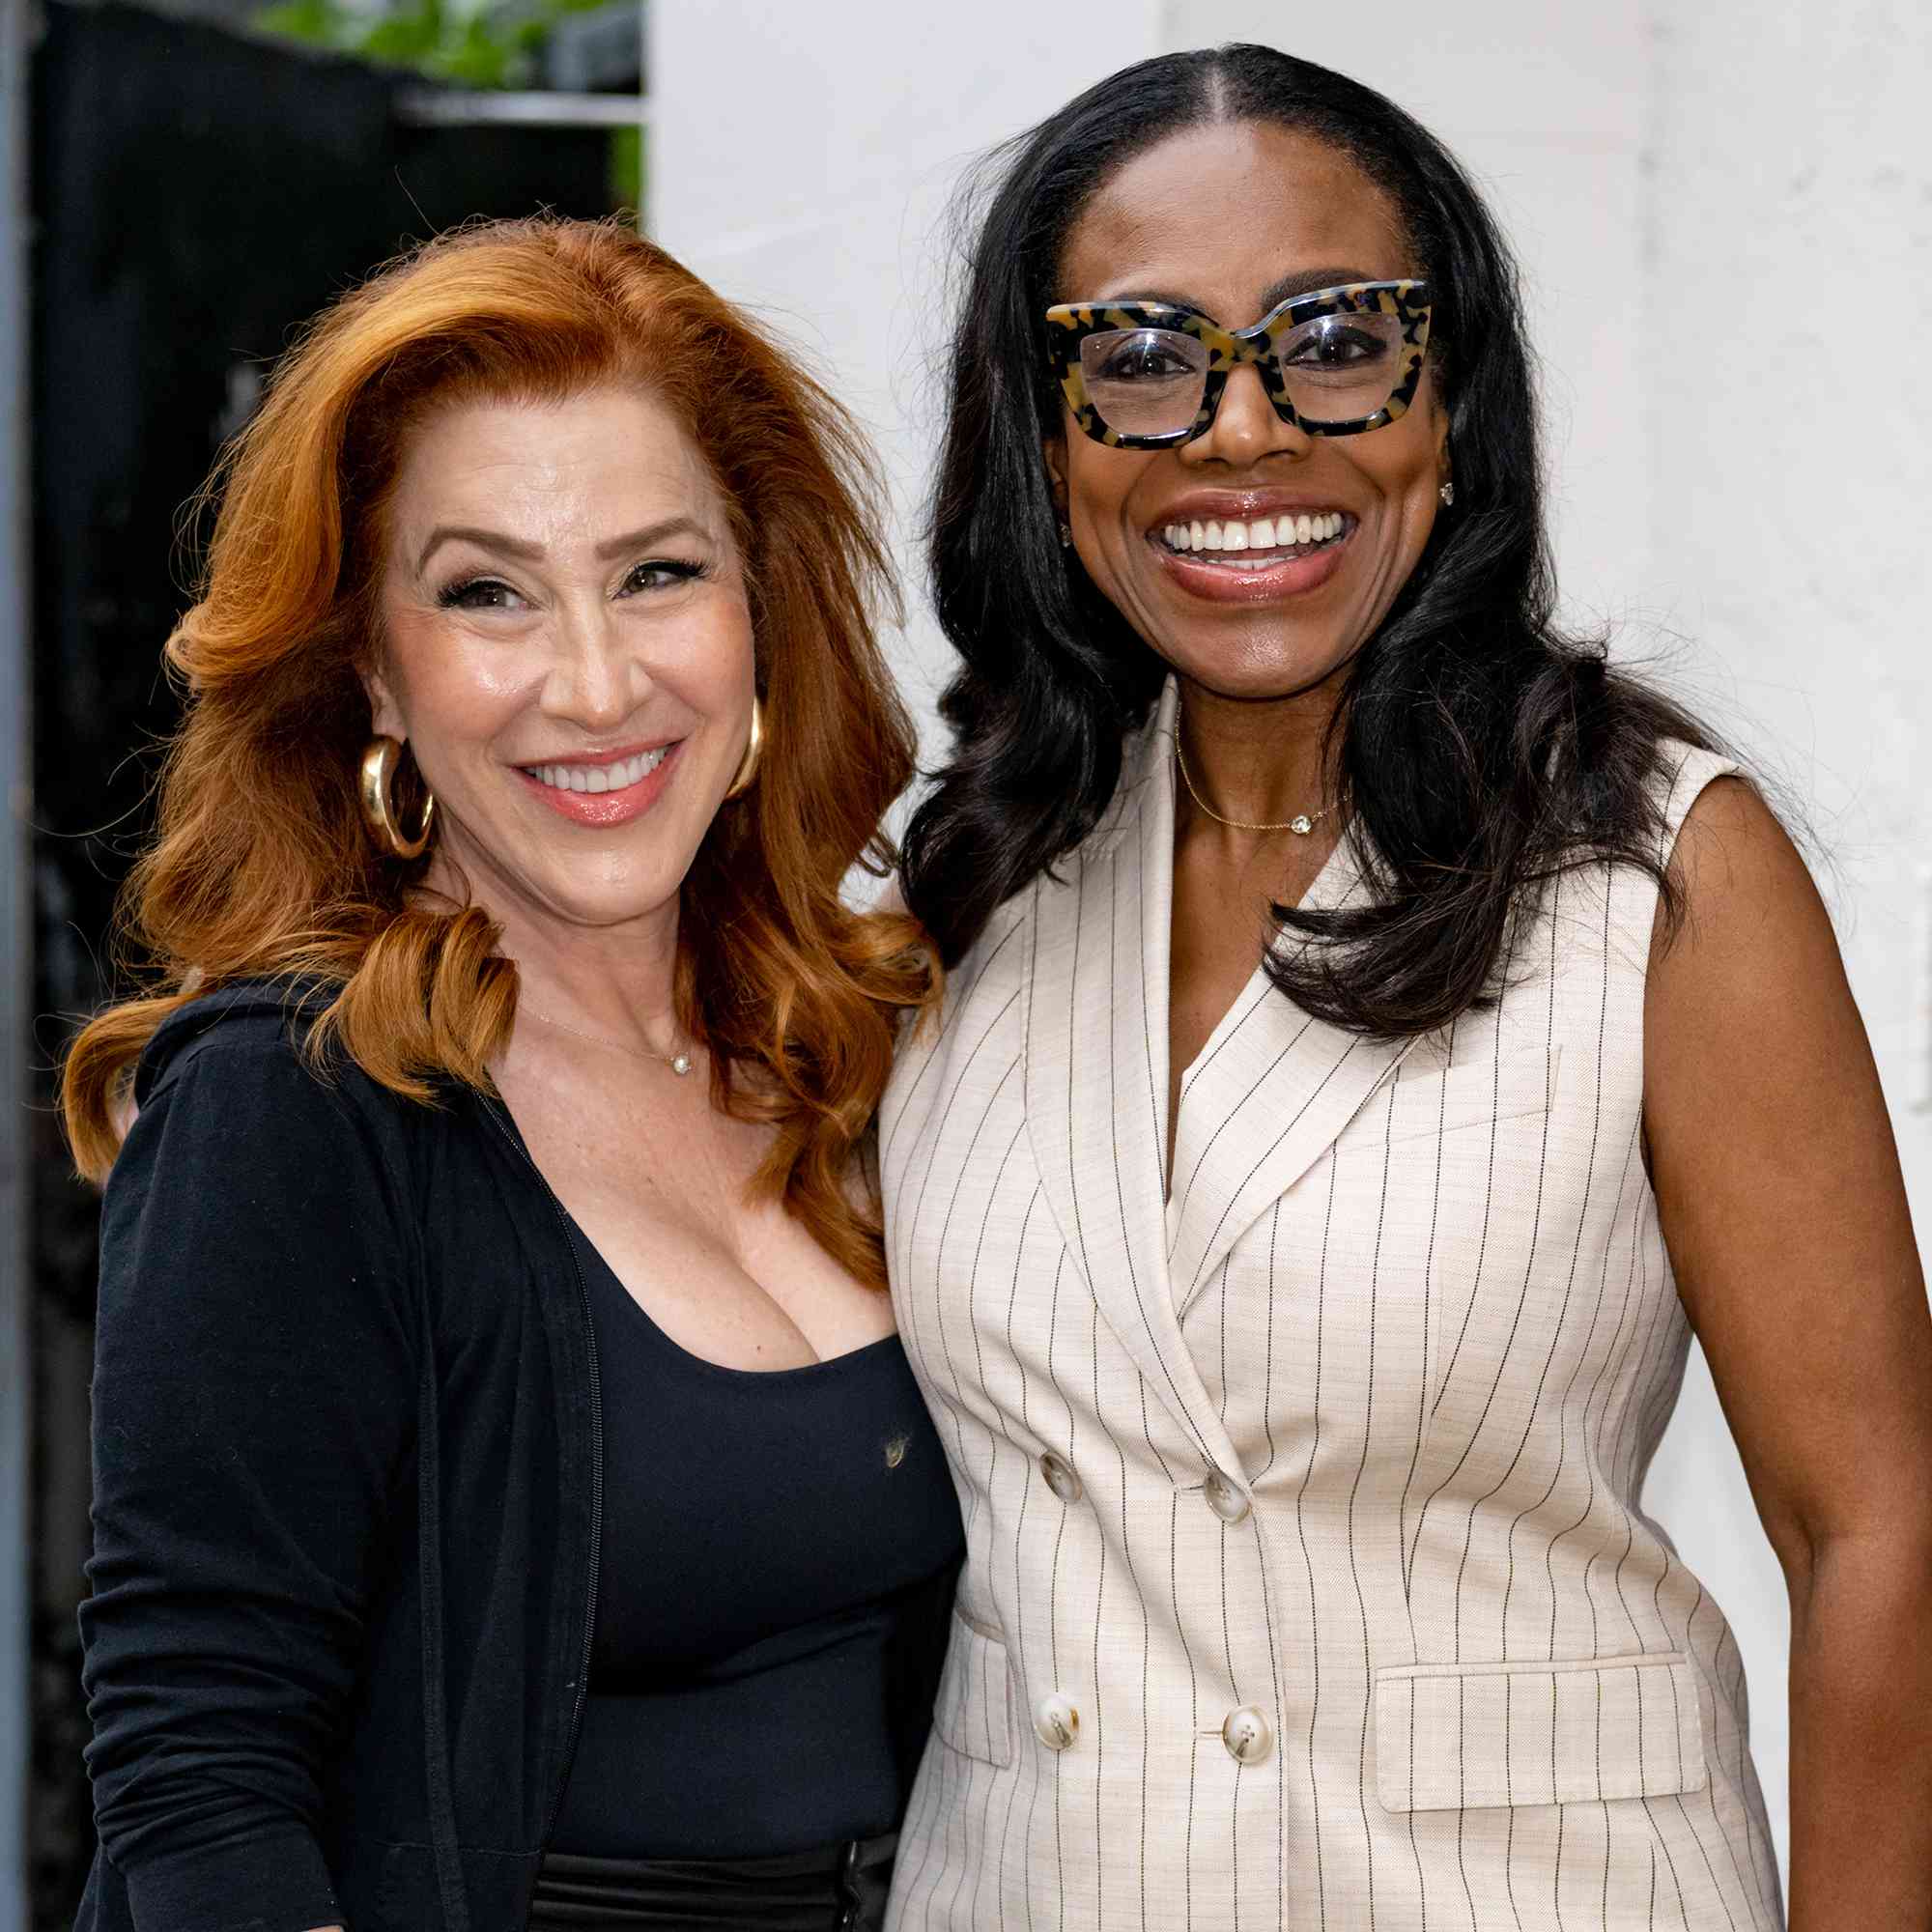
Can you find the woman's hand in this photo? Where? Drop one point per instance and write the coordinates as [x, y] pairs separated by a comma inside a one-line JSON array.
[[1781, 1202]]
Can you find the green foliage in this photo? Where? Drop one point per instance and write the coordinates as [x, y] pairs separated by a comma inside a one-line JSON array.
[[466, 45], [626, 164]]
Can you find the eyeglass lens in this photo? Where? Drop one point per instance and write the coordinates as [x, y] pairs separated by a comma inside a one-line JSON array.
[[1149, 382]]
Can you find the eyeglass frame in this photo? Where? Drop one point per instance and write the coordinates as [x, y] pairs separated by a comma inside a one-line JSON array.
[[1069, 324]]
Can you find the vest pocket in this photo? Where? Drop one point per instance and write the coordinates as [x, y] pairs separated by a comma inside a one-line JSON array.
[[974, 1712], [1454, 1737]]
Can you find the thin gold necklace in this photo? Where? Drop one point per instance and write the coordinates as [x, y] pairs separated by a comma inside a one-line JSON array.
[[1301, 824], [679, 1063]]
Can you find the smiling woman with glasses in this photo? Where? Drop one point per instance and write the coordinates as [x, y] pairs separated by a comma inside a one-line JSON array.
[[1379, 1034]]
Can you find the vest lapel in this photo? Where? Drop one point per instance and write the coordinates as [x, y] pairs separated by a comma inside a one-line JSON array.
[[1270, 1093], [1095, 1070]]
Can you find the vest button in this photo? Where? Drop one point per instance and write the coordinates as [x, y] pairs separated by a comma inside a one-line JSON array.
[[1056, 1721], [1247, 1735], [1224, 1499], [1061, 1478]]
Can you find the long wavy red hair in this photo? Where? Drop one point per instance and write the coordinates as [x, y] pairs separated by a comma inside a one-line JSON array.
[[261, 866]]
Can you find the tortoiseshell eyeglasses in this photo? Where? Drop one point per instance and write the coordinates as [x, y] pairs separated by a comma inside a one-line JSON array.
[[1151, 375]]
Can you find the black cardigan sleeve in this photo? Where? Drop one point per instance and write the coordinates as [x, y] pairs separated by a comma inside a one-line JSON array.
[[254, 1412]]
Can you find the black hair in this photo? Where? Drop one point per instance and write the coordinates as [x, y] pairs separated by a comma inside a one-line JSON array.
[[1481, 750]]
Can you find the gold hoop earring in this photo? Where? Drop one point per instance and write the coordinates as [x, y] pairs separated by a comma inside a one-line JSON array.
[[755, 747], [378, 810]]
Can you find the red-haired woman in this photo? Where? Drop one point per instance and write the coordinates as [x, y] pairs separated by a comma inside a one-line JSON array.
[[512, 1502]]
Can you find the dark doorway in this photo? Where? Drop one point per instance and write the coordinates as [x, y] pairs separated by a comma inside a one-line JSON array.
[[197, 195]]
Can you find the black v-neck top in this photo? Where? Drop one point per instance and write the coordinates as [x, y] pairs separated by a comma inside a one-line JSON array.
[[778, 1560]]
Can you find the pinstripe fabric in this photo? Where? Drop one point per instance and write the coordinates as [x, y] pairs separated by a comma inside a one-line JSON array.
[[1413, 1304]]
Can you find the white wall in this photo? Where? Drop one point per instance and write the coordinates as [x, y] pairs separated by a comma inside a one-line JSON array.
[[1790, 217], [1750, 179]]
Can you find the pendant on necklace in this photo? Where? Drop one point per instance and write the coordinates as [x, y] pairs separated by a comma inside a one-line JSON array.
[[681, 1066], [1301, 824]]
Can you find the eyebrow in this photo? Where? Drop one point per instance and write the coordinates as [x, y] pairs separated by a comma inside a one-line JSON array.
[[1303, 282], [528, 552]]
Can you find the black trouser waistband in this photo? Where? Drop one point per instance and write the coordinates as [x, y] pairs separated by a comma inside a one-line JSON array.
[[838, 1887]]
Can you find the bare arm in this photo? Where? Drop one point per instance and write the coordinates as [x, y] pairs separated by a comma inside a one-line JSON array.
[[1784, 1211]]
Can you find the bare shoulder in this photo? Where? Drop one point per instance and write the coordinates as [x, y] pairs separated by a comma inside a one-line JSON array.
[[1746, 994], [1748, 1017], [1744, 884], [1771, 1151]]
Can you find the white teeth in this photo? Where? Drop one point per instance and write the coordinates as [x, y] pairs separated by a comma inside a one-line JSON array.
[[624, 773], [1263, 534]]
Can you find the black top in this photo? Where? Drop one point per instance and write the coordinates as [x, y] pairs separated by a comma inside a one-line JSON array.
[[346, 1452], [775, 1545]]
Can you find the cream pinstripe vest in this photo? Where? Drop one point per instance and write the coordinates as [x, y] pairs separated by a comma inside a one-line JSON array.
[[1306, 1581]]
